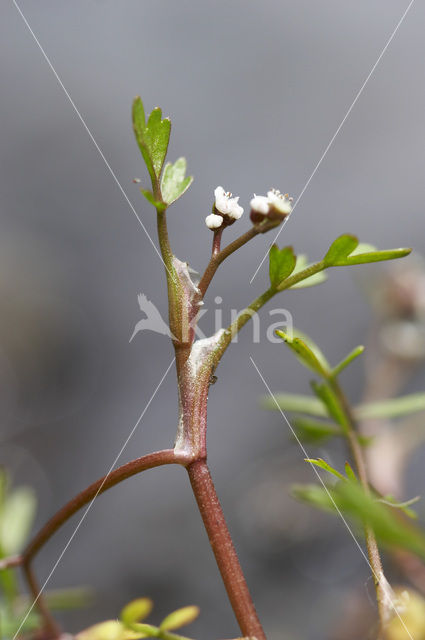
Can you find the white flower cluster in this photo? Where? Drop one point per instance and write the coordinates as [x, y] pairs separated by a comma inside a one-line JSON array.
[[226, 209], [280, 203]]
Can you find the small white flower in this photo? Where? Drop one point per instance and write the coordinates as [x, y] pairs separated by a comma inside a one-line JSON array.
[[260, 204], [281, 203], [213, 221], [226, 204]]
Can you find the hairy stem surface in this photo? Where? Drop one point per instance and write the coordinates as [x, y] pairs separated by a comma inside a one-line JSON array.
[[224, 550]]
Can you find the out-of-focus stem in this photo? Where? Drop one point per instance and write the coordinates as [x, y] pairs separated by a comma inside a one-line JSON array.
[[375, 562], [49, 624]]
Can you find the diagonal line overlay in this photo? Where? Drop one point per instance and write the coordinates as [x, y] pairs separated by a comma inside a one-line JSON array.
[[83, 517], [359, 93], [388, 595], [83, 122]]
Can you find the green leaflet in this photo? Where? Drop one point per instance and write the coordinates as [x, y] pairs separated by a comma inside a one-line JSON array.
[[314, 431], [296, 403], [346, 250], [330, 400], [179, 618], [340, 249], [136, 610], [393, 408], [306, 351], [174, 182], [357, 351], [281, 264], [322, 464], [160, 206]]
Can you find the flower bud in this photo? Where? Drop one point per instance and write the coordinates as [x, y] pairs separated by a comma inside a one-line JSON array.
[[213, 221]]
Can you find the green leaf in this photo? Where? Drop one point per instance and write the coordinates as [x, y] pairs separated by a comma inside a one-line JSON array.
[[352, 501], [309, 354], [388, 527], [331, 402], [173, 182], [350, 473], [314, 431], [340, 249], [319, 462], [347, 360], [394, 408], [179, 618], [150, 198], [295, 403], [17, 519], [136, 611], [281, 264], [152, 137]]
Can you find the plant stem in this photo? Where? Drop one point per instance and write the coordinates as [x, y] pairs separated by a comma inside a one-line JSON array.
[[157, 459], [371, 544], [218, 257], [50, 625], [224, 551]]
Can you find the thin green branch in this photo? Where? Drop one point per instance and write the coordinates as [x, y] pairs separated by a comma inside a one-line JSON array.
[[371, 543]]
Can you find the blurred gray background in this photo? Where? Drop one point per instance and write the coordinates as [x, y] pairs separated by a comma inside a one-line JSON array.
[[255, 92]]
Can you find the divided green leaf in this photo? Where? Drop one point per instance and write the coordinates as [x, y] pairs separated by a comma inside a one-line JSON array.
[[281, 264], [350, 499], [174, 181], [152, 137]]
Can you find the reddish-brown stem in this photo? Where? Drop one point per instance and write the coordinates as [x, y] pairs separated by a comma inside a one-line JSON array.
[[217, 258], [157, 459], [216, 244], [224, 551], [49, 624]]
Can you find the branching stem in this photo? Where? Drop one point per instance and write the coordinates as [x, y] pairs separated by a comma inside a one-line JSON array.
[[218, 257]]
